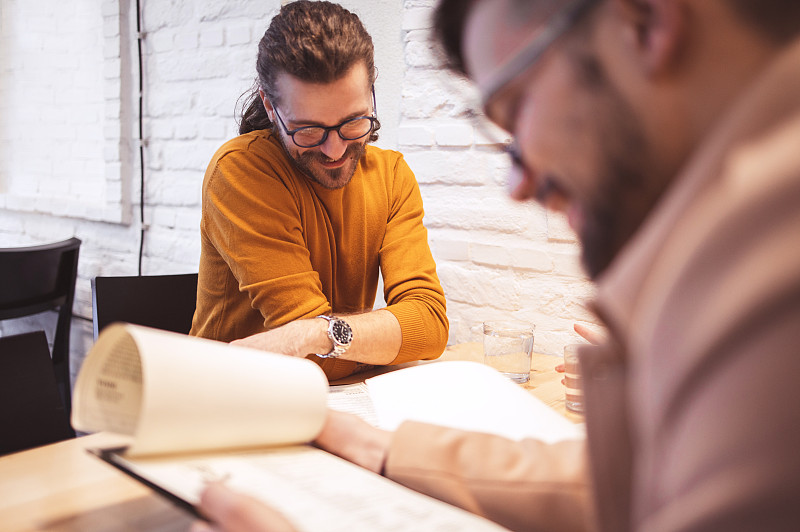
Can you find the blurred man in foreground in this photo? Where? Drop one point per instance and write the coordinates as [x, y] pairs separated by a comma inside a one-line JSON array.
[[668, 131]]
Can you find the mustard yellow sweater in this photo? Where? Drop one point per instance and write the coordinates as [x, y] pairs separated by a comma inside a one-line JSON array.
[[277, 247]]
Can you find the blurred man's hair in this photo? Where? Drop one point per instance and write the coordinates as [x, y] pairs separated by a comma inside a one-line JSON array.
[[777, 20]]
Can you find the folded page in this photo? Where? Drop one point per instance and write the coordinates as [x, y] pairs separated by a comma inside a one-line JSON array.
[[175, 393]]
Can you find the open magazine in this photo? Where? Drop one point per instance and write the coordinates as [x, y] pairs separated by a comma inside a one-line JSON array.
[[196, 411]]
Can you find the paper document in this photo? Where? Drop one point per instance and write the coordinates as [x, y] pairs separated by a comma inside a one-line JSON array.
[[462, 395], [313, 489]]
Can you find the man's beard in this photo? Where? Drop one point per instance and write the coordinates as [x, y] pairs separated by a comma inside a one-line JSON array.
[[628, 185], [614, 214], [330, 178]]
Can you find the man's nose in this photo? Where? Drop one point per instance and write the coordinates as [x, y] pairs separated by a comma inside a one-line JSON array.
[[334, 146], [521, 183]]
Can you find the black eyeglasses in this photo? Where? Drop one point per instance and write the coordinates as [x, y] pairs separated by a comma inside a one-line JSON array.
[[528, 55], [558, 25], [350, 129]]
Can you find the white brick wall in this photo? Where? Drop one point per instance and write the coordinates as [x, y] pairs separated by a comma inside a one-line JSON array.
[[69, 158], [495, 258]]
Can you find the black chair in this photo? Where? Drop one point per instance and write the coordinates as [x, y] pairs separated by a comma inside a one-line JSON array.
[[31, 412], [160, 301], [36, 279]]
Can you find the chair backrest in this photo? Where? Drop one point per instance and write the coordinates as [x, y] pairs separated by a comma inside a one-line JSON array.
[[160, 301], [38, 278], [31, 412]]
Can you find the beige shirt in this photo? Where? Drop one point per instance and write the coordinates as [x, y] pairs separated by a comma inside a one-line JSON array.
[[693, 406]]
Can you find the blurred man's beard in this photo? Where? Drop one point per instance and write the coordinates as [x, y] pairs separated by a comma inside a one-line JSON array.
[[331, 178], [628, 185]]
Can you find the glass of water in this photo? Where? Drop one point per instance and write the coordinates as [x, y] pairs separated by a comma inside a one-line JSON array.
[[507, 347], [572, 378]]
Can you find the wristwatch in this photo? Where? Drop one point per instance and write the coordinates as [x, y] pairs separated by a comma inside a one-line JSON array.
[[340, 333]]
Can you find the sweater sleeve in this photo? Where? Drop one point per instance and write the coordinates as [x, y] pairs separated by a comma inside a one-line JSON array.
[[527, 485], [411, 286]]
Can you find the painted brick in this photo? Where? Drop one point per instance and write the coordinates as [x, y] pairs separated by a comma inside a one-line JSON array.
[[417, 18], [186, 130], [186, 40], [109, 9], [487, 134], [558, 229], [454, 135], [462, 168], [568, 263], [479, 287], [211, 37], [450, 250], [213, 129], [412, 135], [238, 34], [161, 41], [420, 54]]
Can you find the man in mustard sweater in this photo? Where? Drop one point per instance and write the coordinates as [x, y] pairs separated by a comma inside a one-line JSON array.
[[300, 213]]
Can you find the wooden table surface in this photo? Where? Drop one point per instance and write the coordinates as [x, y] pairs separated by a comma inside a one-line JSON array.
[[60, 487]]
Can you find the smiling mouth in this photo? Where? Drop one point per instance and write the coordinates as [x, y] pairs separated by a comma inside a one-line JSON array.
[[334, 164]]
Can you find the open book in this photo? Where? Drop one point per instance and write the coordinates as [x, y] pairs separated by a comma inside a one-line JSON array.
[[195, 411]]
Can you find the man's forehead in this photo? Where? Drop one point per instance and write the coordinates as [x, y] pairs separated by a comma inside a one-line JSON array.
[[325, 103], [495, 29]]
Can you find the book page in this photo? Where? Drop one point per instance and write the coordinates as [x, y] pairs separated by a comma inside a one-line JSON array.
[[315, 490], [466, 396], [353, 399], [197, 394], [113, 397]]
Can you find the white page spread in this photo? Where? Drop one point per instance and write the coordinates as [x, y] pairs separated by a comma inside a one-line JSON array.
[[467, 396], [353, 399], [174, 393], [313, 489]]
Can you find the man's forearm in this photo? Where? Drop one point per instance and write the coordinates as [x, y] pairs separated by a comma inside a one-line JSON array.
[[376, 338]]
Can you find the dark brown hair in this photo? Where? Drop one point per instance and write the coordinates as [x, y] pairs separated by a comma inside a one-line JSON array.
[[448, 23], [778, 20], [316, 42]]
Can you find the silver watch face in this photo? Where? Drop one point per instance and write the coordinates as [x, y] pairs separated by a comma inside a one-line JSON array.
[[341, 332]]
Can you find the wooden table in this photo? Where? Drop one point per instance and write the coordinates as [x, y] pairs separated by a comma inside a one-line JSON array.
[[60, 487]]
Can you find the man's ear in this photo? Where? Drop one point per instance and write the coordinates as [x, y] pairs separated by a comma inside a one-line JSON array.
[[655, 31], [267, 104]]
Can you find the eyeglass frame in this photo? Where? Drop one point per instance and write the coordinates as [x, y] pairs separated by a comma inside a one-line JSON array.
[[328, 129], [559, 24]]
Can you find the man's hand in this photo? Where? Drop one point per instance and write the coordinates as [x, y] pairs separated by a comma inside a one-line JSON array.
[[593, 337], [230, 511], [353, 439], [297, 338]]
